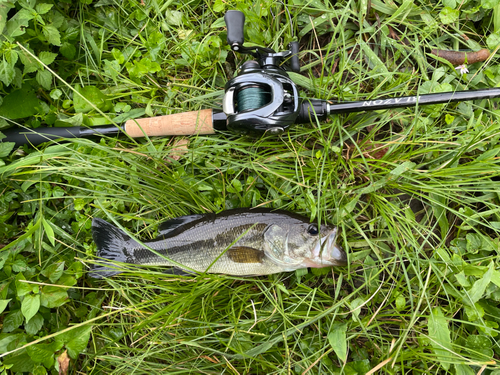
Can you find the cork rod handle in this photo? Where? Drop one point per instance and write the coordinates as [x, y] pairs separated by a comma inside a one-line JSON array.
[[187, 123]]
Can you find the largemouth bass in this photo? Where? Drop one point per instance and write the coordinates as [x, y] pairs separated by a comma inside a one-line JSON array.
[[241, 242]]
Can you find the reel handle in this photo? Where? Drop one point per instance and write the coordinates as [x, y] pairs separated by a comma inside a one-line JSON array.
[[294, 60], [235, 22]]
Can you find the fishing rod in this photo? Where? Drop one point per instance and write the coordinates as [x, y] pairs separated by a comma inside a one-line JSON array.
[[260, 99]]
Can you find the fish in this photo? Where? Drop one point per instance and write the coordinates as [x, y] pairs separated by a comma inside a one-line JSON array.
[[237, 242]]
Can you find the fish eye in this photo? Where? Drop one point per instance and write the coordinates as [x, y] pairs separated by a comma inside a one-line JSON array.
[[313, 230]]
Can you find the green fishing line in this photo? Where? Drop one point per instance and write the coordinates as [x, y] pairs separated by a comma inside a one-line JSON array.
[[251, 98]]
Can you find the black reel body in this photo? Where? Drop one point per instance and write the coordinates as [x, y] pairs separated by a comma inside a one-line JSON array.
[[262, 98]]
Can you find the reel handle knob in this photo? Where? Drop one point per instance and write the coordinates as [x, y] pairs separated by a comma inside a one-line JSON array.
[[235, 22], [294, 60]]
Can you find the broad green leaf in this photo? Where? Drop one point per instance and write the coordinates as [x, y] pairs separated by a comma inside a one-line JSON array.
[[12, 321], [493, 40], [16, 27], [118, 55], [349, 207], [449, 119], [138, 69], [400, 302], [112, 68], [68, 50], [462, 279], [495, 278], [49, 232], [438, 203], [34, 325], [29, 62], [43, 8], [94, 96], [54, 271], [30, 305], [357, 367], [173, 17], [26, 14], [439, 333], [43, 353], [4, 10], [67, 280], [474, 243], [19, 265], [39, 370], [77, 340], [337, 337], [489, 4], [7, 72], [219, 6], [355, 307], [481, 347], [7, 338], [47, 57], [20, 103], [479, 287], [76, 268], [19, 362], [52, 34], [4, 255], [3, 304], [56, 94], [53, 296], [464, 370], [449, 15], [44, 78], [79, 204], [6, 148], [22, 288], [11, 56]]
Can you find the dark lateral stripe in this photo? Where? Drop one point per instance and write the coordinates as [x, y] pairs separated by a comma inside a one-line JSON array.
[[223, 240]]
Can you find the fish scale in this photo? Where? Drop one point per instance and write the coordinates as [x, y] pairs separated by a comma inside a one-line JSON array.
[[184, 249]]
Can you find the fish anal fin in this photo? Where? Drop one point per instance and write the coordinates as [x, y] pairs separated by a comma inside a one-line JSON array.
[[243, 254]]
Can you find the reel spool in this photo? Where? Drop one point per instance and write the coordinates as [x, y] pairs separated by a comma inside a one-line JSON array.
[[252, 97]]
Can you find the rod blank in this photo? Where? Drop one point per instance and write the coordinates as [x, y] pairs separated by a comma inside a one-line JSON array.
[[412, 101]]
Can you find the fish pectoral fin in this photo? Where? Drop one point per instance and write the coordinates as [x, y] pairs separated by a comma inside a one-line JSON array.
[[243, 254]]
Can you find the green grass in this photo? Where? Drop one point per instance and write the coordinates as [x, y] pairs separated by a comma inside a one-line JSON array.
[[414, 193]]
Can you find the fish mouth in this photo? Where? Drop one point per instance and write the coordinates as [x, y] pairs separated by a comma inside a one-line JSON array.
[[327, 252]]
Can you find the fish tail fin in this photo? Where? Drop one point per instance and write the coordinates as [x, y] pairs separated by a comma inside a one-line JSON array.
[[112, 244]]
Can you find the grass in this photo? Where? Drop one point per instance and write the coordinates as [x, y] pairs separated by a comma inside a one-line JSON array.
[[414, 193]]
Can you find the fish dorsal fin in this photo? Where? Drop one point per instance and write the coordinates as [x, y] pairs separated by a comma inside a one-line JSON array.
[[243, 254], [170, 227]]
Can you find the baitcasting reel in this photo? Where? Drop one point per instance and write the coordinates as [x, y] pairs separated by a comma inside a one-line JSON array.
[[262, 97]]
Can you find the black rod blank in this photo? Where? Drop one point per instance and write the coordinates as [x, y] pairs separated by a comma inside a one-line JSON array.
[[38, 136], [412, 101]]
